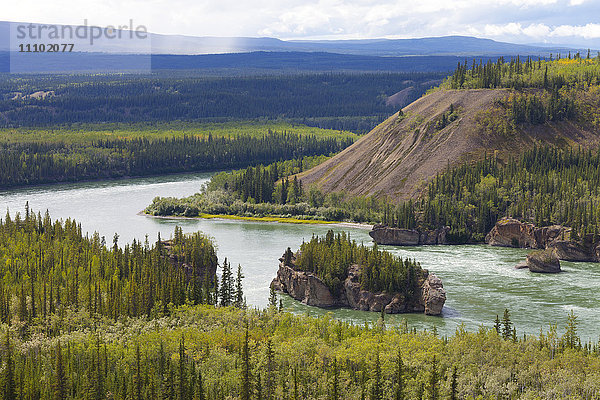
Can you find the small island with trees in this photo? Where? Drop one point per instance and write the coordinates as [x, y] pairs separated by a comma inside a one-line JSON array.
[[334, 271]]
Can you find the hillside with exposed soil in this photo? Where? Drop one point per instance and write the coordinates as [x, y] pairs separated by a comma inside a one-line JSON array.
[[441, 129]]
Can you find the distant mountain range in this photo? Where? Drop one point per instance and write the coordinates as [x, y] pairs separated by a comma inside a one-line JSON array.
[[247, 54], [445, 45]]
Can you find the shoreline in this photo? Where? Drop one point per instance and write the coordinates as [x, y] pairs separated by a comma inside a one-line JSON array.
[[270, 220], [6, 189]]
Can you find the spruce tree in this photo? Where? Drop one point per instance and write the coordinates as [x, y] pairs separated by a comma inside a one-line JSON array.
[[506, 325], [270, 370], [199, 395], [497, 324], [60, 379], [272, 298], [399, 393], [239, 291], [570, 336], [376, 389], [8, 379], [433, 380], [246, 387], [454, 384], [335, 395], [182, 372], [137, 379], [295, 373], [227, 285]]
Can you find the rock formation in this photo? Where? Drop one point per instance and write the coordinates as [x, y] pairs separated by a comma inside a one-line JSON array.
[[544, 261], [509, 232], [310, 289], [383, 234]]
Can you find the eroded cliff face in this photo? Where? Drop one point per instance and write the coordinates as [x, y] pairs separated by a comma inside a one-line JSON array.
[[509, 232], [309, 289]]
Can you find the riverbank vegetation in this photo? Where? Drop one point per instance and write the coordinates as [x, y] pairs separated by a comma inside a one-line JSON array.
[[35, 156], [270, 191]]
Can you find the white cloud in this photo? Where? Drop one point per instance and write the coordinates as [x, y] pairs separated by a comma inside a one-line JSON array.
[[588, 31], [539, 31], [511, 20]]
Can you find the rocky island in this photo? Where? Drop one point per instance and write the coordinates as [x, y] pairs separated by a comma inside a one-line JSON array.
[[553, 243], [510, 232], [394, 286]]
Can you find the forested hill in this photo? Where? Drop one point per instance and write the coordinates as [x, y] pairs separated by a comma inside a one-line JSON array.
[[504, 106], [348, 101]]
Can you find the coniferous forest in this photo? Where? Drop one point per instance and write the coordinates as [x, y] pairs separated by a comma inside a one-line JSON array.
[[26, 163], [86, 319], [543, 185], [348, 101]]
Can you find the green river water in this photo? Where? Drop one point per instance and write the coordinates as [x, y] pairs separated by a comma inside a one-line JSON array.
[[480, 281]]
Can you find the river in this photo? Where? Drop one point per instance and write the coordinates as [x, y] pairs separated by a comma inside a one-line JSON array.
[[480, 281]]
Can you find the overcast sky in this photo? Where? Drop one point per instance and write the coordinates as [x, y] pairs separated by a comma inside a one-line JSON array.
[[519, 21]]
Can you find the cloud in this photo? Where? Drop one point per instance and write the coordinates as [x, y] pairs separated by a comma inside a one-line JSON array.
[[589, 31], [539, 31], [520, 21]]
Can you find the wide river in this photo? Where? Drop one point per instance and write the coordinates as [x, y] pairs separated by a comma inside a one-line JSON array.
[[480, 281]]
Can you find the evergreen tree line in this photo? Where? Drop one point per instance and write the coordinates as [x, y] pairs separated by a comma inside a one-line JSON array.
[[50, 267], [267, 184], [331, 256], [544, 186], [550, 74], [545, 90], [35, 163]]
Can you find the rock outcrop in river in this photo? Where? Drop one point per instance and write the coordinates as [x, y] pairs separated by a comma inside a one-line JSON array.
[[311, 290], [543, 261], [509, 232], [383, 234]]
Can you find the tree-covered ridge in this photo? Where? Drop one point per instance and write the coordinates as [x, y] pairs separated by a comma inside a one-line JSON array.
[[574, 72], [544, 91], [543, 185], [202, 352], [47, 267], [331, 256], [23, 163]]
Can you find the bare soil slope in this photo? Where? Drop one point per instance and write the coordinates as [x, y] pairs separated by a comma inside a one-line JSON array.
[[399, 156]]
